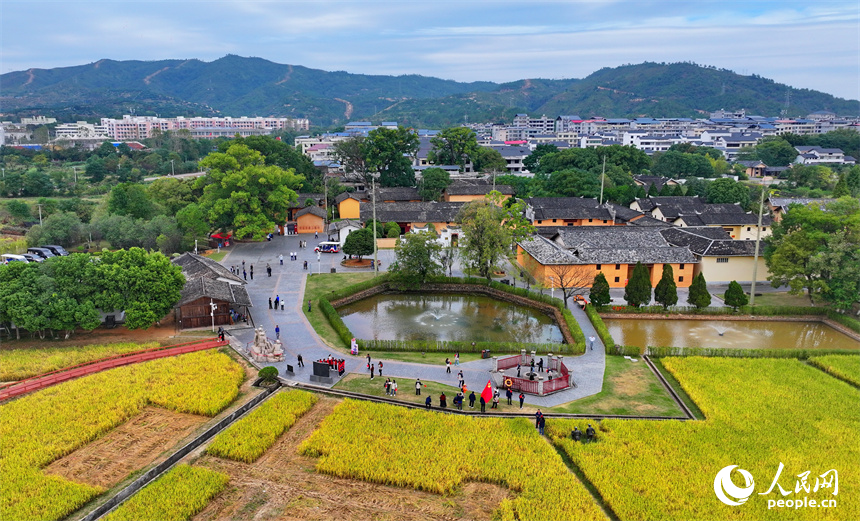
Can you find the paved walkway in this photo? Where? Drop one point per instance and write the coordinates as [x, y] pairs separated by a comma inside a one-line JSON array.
[[298, 337]]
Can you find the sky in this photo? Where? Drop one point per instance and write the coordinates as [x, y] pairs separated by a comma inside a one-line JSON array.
[[813, 44]]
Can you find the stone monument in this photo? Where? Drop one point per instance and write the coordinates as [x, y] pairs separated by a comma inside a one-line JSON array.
[[265, 350]]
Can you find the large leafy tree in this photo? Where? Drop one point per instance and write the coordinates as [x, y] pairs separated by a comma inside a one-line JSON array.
[[487, 240], [814, 249], [242, 194], [699, 295], [773, 151], [278, 153], [389, 153], [418, 256], [359, 243], [130, 199], [488, 159], [727, 190], [638, 289], [532, 163], [453, 146], [351, 153], [433, 182], [666, 291]]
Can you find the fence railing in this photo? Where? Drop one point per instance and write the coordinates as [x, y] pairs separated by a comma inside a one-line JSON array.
[[508, 362], [555, 384]]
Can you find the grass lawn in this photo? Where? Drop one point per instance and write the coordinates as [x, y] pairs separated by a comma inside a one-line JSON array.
[[781, 299], [629, 388], [319, 285], [218, 256]]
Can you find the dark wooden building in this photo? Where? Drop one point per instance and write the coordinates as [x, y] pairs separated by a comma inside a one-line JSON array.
[[207, 285]]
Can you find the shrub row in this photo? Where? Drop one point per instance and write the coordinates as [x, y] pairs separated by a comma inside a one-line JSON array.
[[745, 310], [600, 327], [717, 352], [850, 322], [578, 347]]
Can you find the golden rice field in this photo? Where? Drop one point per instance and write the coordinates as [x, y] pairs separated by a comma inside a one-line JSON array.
[[438, 452], [175, 496], [760, 412], [247, 439], [17, 364], [846, 367], [39, 428]]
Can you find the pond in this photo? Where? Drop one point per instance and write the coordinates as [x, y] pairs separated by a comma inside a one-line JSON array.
[[739, 334], [447, 317]]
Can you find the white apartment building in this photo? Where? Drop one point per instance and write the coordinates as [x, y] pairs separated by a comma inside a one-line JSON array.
[[141, 127]]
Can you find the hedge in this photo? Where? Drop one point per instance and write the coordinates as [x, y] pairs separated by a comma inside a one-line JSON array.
[[801, 354], [600, 327], [578, 347]]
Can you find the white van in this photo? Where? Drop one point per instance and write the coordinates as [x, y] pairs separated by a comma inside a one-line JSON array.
[[9, 257]]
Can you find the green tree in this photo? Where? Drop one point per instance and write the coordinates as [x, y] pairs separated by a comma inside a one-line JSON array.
[[838, 266], [417, 257], [95, 169], [63, 228], [351, 153], [145, 285], [727, 190], [130, 199], [433, 182], [773, 151], [170, 194], [599, 294], [453, 146], [574, 183], [666, 291], [243, 194], [699, 295], [359, 243], [811, 245], [488, 159], [735, 296], [389, 153], [487, 240], [19, 210], [841, 189], [392, 230], [192, 224], [852, 179], [532, 162], [37, 184], [638, 289]]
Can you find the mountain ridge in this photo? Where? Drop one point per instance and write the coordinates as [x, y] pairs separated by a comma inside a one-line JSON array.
[[236, 86]]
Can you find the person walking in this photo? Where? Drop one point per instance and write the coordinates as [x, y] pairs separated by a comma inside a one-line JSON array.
[[380, 368], [277, 332], [448, 365], [576, 434], [457, 360], [533, 365], [472, 400], [387, 386], [518, 370], [277, 301], [510, 395], [591, 340], [541, 424], [372, 368], [281, 258], [309, 306], [418, 387], [268, 269], [316, 235], [495, 401], [301, 362], [483, 403], [522, 399], [244, 274], [270, 302], [538, 416], [540, 365], [589, 433], [393, 387], [252, 272]]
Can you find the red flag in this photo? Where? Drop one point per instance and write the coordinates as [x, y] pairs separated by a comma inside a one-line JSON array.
[[487, 393]]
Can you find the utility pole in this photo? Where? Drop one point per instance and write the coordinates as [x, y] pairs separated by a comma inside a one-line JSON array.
[[375, 253], [172, 170], [757, 240], [213, 307], [602, 177], [40, 213]]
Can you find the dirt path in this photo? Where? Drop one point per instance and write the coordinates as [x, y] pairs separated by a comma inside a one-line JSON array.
[[284, 485], [131, 446], [348, 111]]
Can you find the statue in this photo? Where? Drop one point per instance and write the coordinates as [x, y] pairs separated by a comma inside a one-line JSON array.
[[264, 350]]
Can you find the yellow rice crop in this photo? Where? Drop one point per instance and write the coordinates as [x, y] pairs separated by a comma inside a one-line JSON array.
[[247, 439], [175, 496], [846, 367], [438, 452], [44, 426], [17, 364], [760, 412]]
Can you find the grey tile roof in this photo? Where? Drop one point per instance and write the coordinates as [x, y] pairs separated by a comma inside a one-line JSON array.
[[568, 208], [314, 210], [347, 195], [606, 245], [476, 187], [419, 212], [707, 242], [201, 287], [785, 202], [623, 213], [340, 225], [195, 266], [397, 194], [648, 221]]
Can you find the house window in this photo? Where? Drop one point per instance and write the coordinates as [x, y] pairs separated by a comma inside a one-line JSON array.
[[617, 279], [618, 266], [680, 266], [598, 267], [748, 228], [604, 221], [764, 228], [722, 260], [590, 220], [539, 222], [555, 220], [681, 279]]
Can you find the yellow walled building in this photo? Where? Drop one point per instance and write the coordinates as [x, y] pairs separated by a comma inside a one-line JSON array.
[[348, 206], [719, 258]]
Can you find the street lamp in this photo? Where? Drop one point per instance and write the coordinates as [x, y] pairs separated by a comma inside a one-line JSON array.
[[213, 306], [551, 287], [172, 170], [319, 264]]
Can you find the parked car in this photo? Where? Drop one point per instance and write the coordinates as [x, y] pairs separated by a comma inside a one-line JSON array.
[[44, 253], [9, 257], [32, 257], [56, 250]]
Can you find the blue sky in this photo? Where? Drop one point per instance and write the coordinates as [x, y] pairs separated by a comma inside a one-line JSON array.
[[811, 44]]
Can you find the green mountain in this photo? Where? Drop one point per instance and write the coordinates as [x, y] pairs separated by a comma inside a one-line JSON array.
[[237, 86]]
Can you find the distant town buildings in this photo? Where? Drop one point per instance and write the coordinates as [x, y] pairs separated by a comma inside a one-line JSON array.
[[142, 127]]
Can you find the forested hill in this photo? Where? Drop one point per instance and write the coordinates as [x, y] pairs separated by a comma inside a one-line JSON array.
[[237, 86]]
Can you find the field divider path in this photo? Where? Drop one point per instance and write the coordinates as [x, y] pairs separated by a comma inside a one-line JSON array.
[[669, 388], [153, 473]]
